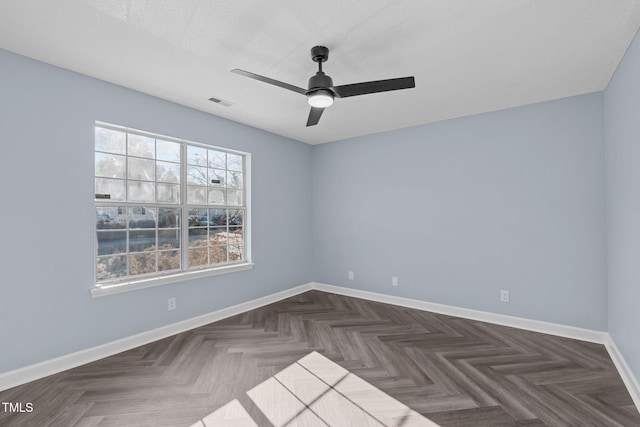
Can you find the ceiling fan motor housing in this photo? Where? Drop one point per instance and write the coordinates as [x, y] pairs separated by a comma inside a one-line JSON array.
[[319, 81]]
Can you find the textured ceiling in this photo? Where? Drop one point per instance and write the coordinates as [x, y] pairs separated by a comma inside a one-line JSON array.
[[468, 56]]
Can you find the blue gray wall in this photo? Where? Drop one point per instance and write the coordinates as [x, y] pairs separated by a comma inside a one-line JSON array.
[[46, 169], [622, 136], [461, 209]]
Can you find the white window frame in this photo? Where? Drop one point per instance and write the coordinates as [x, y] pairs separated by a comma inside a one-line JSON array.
[[131, 283]]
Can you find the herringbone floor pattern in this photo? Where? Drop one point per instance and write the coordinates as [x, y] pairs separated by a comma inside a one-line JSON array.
[[455, 372]]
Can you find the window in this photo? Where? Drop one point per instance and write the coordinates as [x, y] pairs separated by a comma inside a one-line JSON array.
[[166, 209]]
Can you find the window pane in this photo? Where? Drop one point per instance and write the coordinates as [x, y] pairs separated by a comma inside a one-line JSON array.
[[236, 217], [168, 172], [196, 195], [195, 215], [236, 253], [217, 177], [111, 141], [197, 237], [168, 218], [110, 218], [235, 179], [196, 212], [218, 217], [196, 155], [218, 236], [111, 242], [141, 146], [217, 159], [216, 196], [142, 217], [142, 169], [142, 263], [217, 255], [142, 240], [196, 175], [113, 187], [235, 236], [111, 267], [234, 162], [167, 150], [168, 193], [235, 197], [198, 257], [110, 165], [141, 191], [168, 260], [168, 239]]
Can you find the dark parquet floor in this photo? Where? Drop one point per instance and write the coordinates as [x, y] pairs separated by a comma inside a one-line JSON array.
[[455, 372]]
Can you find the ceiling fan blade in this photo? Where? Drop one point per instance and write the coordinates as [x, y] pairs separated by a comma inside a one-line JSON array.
[[314, 116], [374, 86], [268, 80]]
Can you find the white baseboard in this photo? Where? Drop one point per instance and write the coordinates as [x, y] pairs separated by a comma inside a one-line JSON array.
[[53, 366], [597, 337], [49, 367], [633, 386]]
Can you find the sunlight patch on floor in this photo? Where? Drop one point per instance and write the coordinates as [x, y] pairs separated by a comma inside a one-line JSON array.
[[315, 391]]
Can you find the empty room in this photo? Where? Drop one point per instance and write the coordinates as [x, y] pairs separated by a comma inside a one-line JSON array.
[[356, 213]]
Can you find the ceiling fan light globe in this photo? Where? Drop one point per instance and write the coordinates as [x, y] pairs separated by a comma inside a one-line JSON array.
[[320, 98]]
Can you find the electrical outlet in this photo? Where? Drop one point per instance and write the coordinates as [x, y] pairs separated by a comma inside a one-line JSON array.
[[504, 296], [394, 281], [171, 303], [351, 275]]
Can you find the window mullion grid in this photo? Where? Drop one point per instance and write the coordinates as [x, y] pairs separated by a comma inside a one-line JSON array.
[[183, 206], [207, 210], [127, 241], [155, 200], [157, 233], [184, 220], [126, 176]]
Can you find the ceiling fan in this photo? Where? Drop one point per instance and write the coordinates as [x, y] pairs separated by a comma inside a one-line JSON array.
[[321, 91]]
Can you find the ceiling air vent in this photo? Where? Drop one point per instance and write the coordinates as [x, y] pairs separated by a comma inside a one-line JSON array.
[[220, 101]]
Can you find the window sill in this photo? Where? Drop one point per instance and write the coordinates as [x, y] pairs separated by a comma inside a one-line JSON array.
[[134, 285]]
